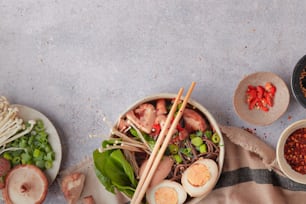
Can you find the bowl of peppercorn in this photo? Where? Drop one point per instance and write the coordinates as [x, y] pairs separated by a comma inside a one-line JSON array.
[[298, 81], [291, 151]]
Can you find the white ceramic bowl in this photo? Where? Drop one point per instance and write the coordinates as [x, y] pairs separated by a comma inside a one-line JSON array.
[[209, 117], [285, 167]]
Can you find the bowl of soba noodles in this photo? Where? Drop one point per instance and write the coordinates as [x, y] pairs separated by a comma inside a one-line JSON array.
[[190, 166]]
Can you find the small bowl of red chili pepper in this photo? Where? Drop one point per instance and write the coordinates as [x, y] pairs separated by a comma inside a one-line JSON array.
[[261, 98], [291, 151]]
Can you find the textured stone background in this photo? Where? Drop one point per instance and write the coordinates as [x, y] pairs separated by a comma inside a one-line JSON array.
[[76, 61]]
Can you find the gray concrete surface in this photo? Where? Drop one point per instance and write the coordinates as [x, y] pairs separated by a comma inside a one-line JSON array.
[[76, 61]]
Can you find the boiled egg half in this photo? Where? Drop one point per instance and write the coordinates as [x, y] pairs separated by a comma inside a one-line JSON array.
[[200, 177], [167, 191]]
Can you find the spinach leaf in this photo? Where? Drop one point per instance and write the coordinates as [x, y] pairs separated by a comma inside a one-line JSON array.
[[114, 171], [119, 158], [99, 161]]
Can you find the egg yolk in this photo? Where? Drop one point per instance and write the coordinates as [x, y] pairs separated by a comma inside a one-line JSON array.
[[198, 174], [166, 195]]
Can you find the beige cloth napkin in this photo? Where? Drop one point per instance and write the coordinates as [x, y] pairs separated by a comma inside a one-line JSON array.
[[250, 175]]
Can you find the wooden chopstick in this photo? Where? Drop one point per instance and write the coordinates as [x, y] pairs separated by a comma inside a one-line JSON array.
[[156, 147], [155, 160]]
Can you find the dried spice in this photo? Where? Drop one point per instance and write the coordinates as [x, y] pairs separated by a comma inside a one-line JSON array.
[[302, 82], [295, 150]]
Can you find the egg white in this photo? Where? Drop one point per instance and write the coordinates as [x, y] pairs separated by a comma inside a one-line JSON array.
[[196, 191], [181, 194]]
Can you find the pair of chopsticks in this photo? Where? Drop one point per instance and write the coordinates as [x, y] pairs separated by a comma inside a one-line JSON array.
[[161, 145]]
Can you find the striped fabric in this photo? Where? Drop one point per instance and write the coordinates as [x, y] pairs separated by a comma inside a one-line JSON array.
[[251, 174]]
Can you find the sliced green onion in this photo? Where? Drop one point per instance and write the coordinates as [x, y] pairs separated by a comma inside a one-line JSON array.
[[177, 158], [40, 164], [134, 132], [7, 156], [16, 160], [208, 133], [36, 153], [193, 135], [49, 156], [196, 141], [48, 148], [215, 138], [173, 148], [186, 151], [199, 133], [25, 157], [39, 123], [32, 148], [48, 164], [151, 143], [203, 148]]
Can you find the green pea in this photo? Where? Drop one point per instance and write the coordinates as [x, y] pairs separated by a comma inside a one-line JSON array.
[[196, 141], [215, 138]]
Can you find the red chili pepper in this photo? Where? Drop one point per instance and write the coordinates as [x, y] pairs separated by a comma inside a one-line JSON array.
[[273, 90], [260, 92], [264, 108], [179, 127], [156, 128], [175, 139], [260, 97], [259, 103], [250, 87], [183, 135], [252, 94], [269, 100], [253, 103], [264, 101], [270, 88]]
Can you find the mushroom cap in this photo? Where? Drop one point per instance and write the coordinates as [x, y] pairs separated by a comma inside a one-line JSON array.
[[25, 184], [72, 186]]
